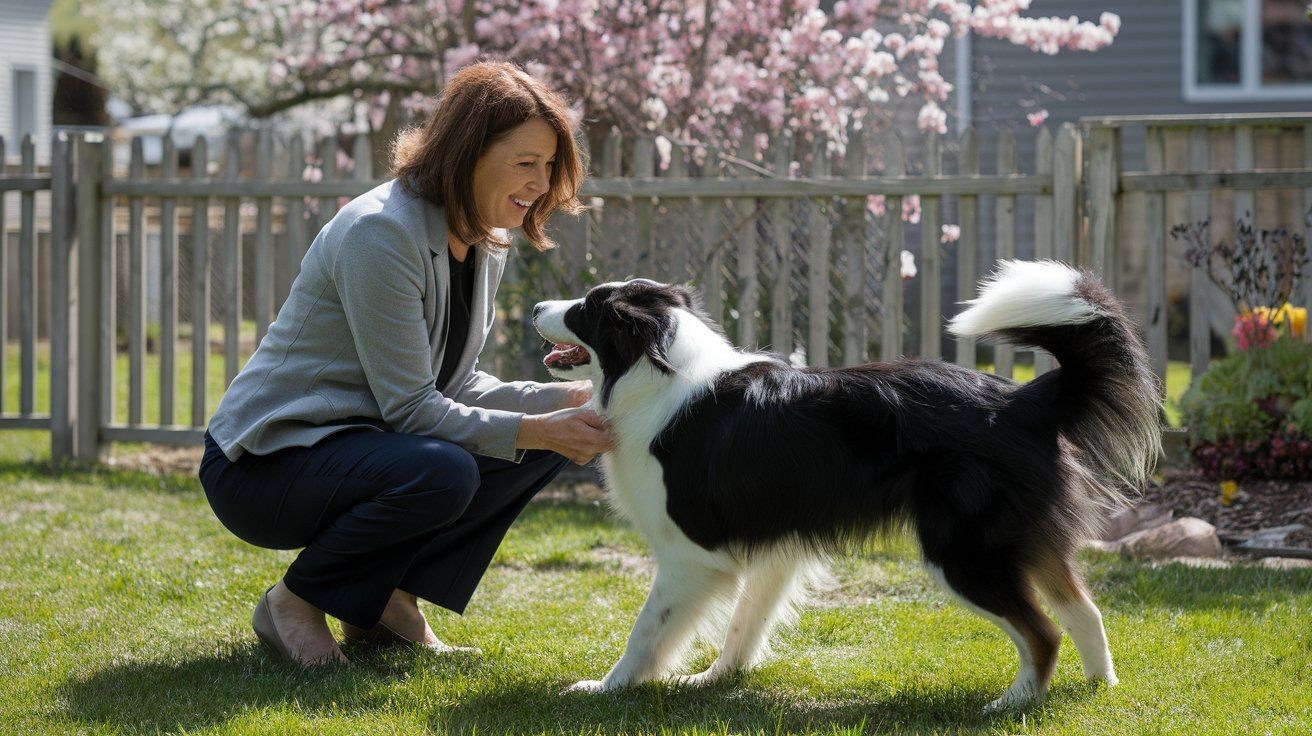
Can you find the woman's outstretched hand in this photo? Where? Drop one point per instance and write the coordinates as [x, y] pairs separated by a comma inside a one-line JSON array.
[[578, 434]]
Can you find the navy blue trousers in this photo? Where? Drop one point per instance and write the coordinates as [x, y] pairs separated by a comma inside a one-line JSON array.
[[375, 511]]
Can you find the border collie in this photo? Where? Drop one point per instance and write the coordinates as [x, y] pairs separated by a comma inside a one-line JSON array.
[[744, 473]]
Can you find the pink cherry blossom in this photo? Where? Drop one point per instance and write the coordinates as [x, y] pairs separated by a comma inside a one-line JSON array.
[[702, 73]]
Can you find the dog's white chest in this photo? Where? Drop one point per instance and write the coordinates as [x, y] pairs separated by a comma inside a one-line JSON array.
[[635, 488]]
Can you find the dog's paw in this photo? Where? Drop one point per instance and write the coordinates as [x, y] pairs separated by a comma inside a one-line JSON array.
[[709, 676], [1107, 678], [1009, 701], [586, 686]]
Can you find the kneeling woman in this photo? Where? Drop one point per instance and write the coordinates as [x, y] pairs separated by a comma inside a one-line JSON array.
[[360, 429]]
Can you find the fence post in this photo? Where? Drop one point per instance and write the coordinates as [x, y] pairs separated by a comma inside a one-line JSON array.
[[86, 294], [968, 243], [1066, 175], [855, 337], [931, 268], [63, 299], [895, 167], [1043, 360], [1004, 218], [1155, 221], [817, 344], [1101, 184]]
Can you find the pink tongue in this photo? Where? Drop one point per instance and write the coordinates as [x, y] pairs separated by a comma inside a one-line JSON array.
[[558, 351]]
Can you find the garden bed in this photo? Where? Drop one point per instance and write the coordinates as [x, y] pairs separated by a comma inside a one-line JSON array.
[[1257, 504]]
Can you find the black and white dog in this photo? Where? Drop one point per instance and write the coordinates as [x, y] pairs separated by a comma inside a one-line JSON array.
[[744, 473]]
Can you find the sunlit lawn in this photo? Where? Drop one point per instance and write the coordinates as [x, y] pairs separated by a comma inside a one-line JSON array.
[[124, 608]]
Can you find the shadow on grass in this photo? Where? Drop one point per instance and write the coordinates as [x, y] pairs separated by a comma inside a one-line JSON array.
[[247, 683], [207, 691], [732, 707]]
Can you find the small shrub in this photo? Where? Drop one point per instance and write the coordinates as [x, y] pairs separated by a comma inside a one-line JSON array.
[[1250, 414]]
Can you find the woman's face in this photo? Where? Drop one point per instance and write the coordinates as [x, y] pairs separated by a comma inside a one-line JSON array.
[[514, 172]]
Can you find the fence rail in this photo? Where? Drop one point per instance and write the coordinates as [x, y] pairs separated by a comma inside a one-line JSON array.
[[795, 248]]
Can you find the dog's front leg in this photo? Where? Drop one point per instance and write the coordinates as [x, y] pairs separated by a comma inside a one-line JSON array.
[[679, 599]]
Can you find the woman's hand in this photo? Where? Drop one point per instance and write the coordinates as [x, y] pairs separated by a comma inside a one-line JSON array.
[[578, 434]]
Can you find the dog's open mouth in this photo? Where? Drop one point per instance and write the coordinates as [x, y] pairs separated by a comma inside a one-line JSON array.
[[564, 355]]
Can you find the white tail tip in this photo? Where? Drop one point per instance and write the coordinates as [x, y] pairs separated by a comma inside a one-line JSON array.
[[1025, 294]]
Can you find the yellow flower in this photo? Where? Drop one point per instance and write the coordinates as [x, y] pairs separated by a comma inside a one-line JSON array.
[[1297, 317], [1228, 490]]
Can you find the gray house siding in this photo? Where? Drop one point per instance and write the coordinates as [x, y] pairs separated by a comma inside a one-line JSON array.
[[25, 45]]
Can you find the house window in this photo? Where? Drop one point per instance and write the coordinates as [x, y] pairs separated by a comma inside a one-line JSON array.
[[1247, 50], [24, 101]]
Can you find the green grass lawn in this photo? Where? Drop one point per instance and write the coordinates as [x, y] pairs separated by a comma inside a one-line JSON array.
[[125, 609]]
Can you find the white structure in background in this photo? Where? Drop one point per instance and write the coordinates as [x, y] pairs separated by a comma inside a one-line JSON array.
[[26, 84]]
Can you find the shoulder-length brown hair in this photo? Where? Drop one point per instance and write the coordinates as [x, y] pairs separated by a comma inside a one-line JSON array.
[[482, 103]]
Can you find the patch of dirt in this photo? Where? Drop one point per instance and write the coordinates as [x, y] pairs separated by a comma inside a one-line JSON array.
[[160, 460], [1258, 504]]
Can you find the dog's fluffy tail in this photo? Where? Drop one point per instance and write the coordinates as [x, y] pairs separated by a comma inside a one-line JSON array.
[[1105, 398]]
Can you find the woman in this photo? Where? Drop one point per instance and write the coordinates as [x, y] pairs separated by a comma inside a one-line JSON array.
[[361, 429]]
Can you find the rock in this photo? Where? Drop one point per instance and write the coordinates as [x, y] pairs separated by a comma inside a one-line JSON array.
[[1285, 563], [1272, 536], [1187, 537], [1139, 518]]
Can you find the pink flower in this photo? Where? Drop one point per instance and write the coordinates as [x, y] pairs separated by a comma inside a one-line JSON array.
[[932, 119], [951, 234], [1253, 330], [1037, 118]]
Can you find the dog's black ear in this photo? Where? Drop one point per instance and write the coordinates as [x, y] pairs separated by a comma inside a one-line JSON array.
[[636, 332], [646, 332]]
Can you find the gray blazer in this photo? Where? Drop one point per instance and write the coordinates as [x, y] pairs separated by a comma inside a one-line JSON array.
[[361, 336]]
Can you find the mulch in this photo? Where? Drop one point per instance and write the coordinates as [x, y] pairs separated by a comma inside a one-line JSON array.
[[1258, 504]]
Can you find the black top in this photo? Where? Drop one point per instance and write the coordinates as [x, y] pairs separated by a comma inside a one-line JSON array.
[[460, 297]]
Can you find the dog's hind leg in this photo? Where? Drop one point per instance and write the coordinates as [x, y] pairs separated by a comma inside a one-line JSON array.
[[1068, 597], [681, 596], [771, 587], [1000, 594]]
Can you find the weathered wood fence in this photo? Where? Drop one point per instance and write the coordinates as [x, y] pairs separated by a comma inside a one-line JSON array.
[[795, 247]]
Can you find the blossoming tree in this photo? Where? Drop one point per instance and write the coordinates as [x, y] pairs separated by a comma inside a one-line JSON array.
[[702, 70]]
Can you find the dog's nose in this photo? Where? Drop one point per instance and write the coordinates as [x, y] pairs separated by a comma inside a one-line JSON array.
[[538, 309]]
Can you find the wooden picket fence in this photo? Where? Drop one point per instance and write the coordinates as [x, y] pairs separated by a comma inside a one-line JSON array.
[[153, 264]]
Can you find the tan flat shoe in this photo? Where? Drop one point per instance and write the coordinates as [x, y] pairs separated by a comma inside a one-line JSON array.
[[262, 623], [383, 635]]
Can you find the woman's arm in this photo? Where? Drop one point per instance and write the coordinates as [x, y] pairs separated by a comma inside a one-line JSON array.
[[378, 272], [488, 391]]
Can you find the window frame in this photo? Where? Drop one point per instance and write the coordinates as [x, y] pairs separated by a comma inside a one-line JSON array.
[[1250, 87]]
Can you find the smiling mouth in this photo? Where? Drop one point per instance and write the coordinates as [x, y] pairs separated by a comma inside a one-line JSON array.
[[521, 203], [565, 355]]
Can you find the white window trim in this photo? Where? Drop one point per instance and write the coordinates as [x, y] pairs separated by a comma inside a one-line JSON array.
[[12, 133], [1250, 87]]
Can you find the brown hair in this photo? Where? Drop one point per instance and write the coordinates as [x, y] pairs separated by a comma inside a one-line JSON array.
[[482, 103]]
